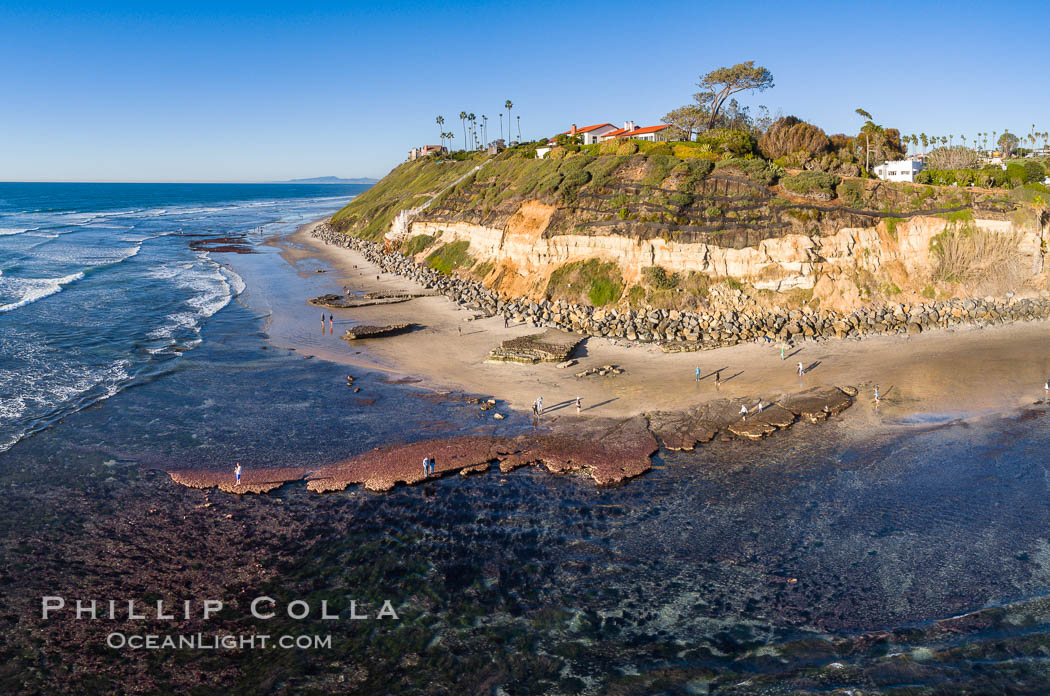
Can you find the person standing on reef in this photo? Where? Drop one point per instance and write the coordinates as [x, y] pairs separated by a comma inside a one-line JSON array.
[[801, 370], [698, 374], [783, 347], [579, 405], [237, 472], [743, 412], [506, 321], [331, 323], [432, 461], [718, 378], [876, 393], [322, 321], [426, 467]]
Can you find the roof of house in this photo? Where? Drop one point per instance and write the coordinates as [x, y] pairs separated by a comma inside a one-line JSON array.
[[586, 129], [637, 131]]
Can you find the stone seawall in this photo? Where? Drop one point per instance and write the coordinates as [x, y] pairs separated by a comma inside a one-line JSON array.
[[698, 330]]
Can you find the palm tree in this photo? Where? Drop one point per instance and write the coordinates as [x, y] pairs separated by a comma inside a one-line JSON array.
[[925, 141], [508, 106], [867, 138], [501, 125], [519, 127], [463, 120], [440, 120], [484, 129], [471, 118], [450, 135]]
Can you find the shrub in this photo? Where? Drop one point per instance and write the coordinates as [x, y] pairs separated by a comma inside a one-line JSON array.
[[690, 151], [698, 170], [852, 193], [758, 170], [627, 147], [417, 244], [793, 136], [713, 211], [681, 199], [655, 148], [961, 177], [1034, 172], [987, 260], [726, 141], [812, 185], [600, 283], [957, 157], [449, 257], [1015, 174], [658, 278]]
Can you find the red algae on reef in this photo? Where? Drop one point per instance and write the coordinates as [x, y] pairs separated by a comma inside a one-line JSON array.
[[261, 480], [608, 450]]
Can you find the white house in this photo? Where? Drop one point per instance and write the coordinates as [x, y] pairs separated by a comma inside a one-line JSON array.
[[542, 150], [589, 135], [631, 130], [899, 170]]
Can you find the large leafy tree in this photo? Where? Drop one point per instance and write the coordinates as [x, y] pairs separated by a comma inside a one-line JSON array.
[[686, 121], [710, 104], [717, 86], [1007, 142]]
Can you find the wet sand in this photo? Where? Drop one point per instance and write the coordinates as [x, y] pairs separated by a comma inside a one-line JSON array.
[[941, 374]]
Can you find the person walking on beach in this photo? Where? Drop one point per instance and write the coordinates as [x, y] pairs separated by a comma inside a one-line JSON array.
[[743, 412], [506, 321], [579, 405], [432, 461], [801, 370], [698, 374], [539, 405], [237, 472], [876, 393], [782, 349], [322, 322], [331, 323], [426, 467]]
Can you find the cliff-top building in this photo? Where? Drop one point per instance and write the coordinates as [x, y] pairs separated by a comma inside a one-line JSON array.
[[899, 170]]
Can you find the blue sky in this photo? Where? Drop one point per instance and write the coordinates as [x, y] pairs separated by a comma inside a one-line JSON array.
[[258, 91]]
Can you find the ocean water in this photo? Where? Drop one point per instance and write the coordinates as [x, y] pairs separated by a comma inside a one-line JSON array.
[[817, 561], [100, 290]]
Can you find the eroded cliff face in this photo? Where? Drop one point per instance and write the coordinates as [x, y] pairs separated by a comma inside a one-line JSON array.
[[524, 252]]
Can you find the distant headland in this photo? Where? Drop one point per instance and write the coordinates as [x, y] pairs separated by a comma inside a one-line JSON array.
[[329, 180]]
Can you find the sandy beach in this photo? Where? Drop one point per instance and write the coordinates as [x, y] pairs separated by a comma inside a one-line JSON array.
[[941, 374]]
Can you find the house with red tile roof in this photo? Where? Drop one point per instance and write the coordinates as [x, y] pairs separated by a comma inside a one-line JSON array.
[[633, 131], [589, 134]]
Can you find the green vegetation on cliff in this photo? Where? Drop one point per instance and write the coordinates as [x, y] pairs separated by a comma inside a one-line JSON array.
[[409, 185], [595, 281], [448, 257]]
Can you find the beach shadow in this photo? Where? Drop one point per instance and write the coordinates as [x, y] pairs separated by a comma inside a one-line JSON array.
[[793, 353], [726, 379], [558, 406], [812, 366], [602, 403], [712, 373]]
